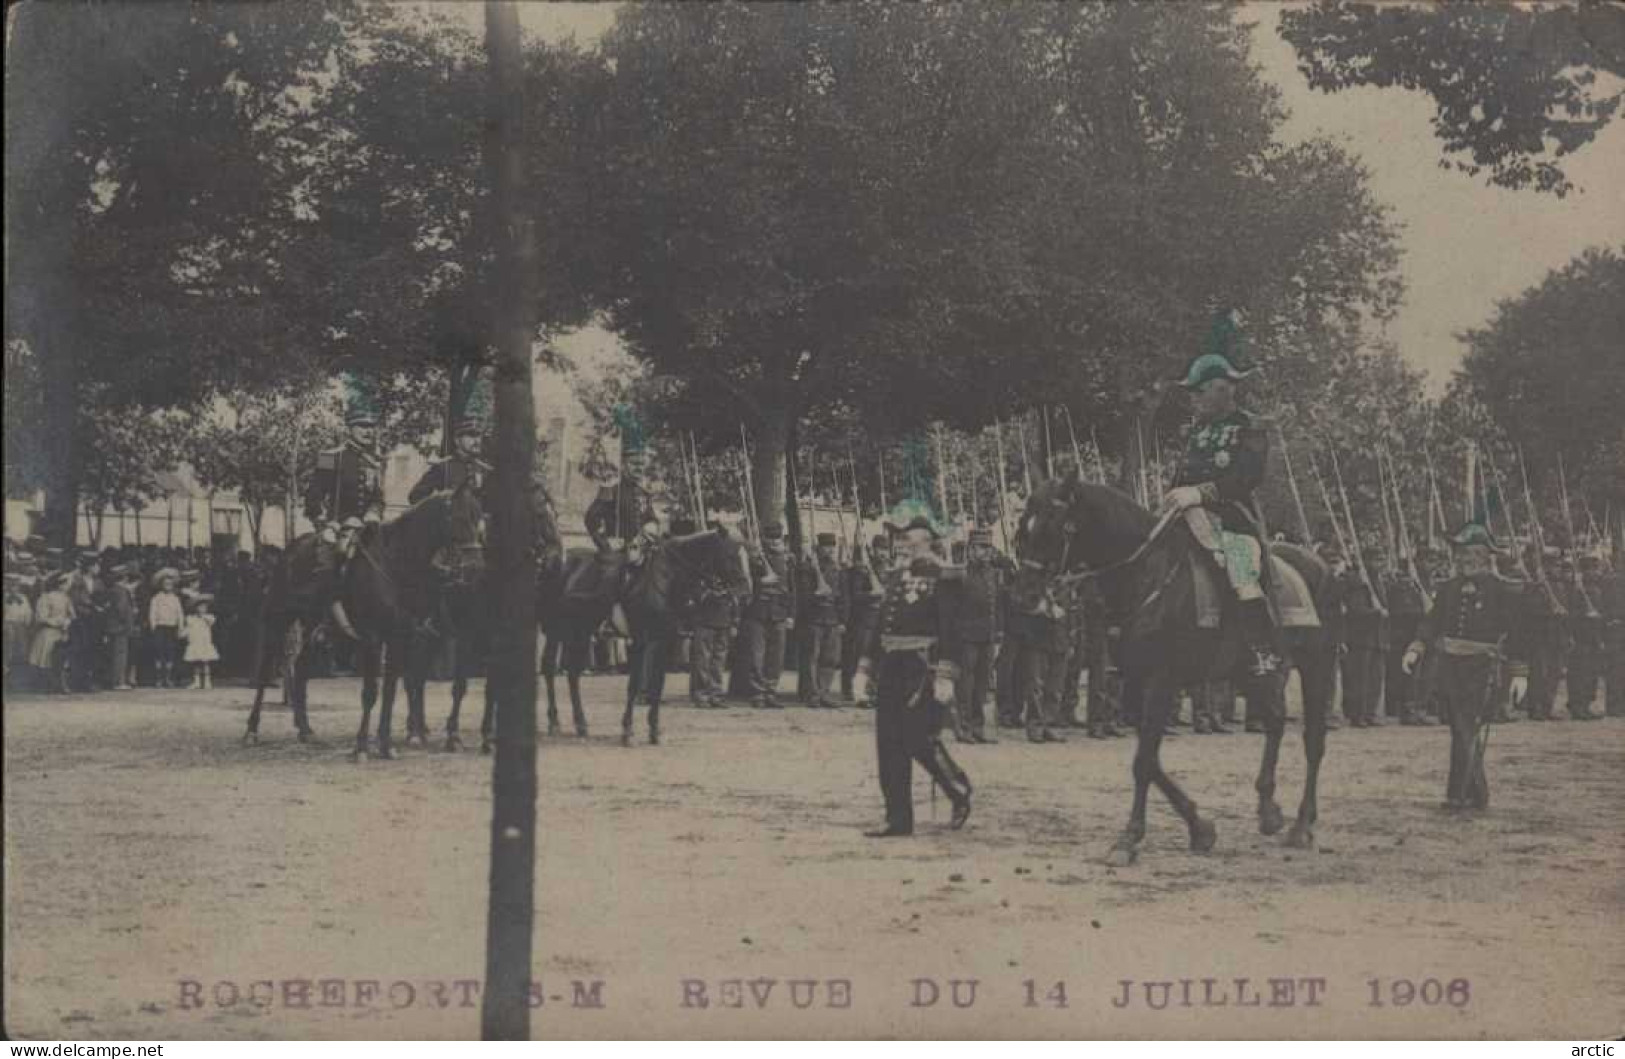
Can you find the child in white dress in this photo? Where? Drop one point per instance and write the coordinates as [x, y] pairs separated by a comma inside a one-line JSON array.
[[200, 649]]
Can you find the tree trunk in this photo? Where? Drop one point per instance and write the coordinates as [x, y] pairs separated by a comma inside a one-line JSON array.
[[60, 378], [767, 468], [505, 1014]]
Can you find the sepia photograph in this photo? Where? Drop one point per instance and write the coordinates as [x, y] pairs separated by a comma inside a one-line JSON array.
[[939, 521]]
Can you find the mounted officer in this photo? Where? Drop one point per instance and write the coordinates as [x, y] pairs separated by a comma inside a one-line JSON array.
[[465, 462], [345, 498], [1223, 466], [624, 510]]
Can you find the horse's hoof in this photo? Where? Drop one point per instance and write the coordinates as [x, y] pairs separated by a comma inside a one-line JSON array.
[[1203, 836], [654, 738], [1270, 819], [581, 731], [453, 743], [1300, 838], [626, 738], [553, 727], [359, 757], [386, 753], [1122, 855], [308, 738], [251, 739], [486, 747]]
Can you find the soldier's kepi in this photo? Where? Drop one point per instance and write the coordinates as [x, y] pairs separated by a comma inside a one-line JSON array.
[[1223, 465]]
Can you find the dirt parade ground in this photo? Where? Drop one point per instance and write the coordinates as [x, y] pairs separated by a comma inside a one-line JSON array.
[[163, 881]]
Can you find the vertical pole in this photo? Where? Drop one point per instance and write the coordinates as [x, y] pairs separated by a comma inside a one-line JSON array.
[[505, 1013]]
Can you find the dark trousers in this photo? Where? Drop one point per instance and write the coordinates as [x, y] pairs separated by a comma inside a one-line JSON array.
[[970, 692], [1362, 682], [1467, 689], [1005, 694], [858, 634], [1031, 668], [1399, 691], [646, 664], [908, 726], [1585, 670], [118, 657], [823, 659], [707, 649], [1615, 643], [764, 645], [1060, 698]]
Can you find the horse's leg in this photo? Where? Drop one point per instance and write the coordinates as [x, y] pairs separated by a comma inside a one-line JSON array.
[[654, 683], [1317, 696], [459, 688], [488, 717], [1135, 704], [550, 655], [572, 677], [635, 652], [251, 737], [368, 662], [299, 698], [1161, 701], [1266, 699], [386, 711]]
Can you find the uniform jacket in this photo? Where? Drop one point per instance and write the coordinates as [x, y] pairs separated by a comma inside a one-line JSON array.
[[1364, 626], [861, 598], [1484, 609], [348, 483], [921, 611], [827, 610], [447, 475], [981, 617], [1226, 459], [122, 617], [619, 510], [772, 602]]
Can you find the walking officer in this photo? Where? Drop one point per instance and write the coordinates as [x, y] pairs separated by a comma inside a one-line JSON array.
[[1477, 628], [914, 658]]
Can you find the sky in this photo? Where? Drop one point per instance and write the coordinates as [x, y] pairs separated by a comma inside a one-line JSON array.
[[1465, 244]]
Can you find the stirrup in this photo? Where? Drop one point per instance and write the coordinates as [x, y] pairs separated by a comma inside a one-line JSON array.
[[1265, 662]]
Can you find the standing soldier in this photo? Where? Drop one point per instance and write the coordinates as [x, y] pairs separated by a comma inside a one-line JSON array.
[[981, 628], [1366, 634], [771, 606], [1548, 635], [345, 498], [1477, 626], [915, 659], [1406, 605], [715, 615], [823, 591], [84, 638], [1586, 621], [864, 591], [1030, 617], [123, 621], [1611, 601]]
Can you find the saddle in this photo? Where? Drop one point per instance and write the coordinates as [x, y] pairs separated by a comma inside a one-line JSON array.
[[596, 579], [1290, 598]]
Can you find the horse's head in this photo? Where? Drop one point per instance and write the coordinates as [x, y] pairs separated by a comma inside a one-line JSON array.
[[1069, 524]]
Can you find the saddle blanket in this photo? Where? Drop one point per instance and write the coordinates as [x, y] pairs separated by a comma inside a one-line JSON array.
[[1293, 604]]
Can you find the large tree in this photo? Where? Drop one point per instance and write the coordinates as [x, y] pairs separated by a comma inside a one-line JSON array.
[[1516, 85]]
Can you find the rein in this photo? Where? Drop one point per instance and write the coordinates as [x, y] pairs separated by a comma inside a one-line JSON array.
[[1067, 580]]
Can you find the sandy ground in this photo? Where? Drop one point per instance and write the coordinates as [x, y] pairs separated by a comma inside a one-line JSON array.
[[146, 850]]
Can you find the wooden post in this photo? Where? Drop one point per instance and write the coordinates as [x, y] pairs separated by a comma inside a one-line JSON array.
[[505, 1012]]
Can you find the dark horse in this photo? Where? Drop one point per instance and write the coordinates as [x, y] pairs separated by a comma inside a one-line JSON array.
[[1082, 530], [387, 591], [650, 595]]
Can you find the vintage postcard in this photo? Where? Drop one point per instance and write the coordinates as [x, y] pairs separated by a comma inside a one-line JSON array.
[[814, 521]]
